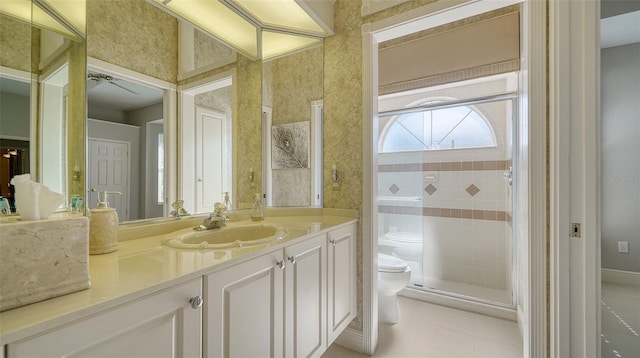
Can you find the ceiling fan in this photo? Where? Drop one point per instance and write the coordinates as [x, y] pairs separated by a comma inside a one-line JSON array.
[[96, 79]]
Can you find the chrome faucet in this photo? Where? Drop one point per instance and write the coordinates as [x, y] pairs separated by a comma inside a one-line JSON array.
[[178, 209], [216, 219]]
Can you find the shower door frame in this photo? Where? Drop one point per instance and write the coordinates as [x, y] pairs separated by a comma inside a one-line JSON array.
[[532, 105]]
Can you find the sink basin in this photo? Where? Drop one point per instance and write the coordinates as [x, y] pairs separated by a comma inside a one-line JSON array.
[[227, 237]]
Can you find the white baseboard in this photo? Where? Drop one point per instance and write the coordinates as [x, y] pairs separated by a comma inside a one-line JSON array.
[[352, 339], [462, 304], [623, 277]]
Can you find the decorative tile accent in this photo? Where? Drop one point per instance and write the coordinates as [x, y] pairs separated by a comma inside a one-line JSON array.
[[446, 166], [472, 190], [490, 215], [430, 189], [394, 189]]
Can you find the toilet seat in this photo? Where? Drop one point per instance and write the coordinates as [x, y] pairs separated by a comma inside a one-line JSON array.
[[403, 236], [388, 263]]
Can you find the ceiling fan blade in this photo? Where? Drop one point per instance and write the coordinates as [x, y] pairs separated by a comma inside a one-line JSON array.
[[124, 88], [91, 84]]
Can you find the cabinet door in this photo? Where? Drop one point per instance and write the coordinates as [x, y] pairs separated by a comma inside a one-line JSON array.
[[160, 325], [244, 309], [305, 298], [341, 290]]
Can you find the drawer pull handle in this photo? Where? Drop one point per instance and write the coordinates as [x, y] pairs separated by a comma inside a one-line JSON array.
[[196, 302], [292, 259], [282, 264]]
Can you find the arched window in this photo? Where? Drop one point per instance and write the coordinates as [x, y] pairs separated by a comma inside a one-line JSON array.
[[445, 128]]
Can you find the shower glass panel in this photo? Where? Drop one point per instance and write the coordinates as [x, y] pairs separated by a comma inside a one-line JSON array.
[[445, 194]]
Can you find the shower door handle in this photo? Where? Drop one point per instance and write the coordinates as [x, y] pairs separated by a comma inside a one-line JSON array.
[[508, 176]]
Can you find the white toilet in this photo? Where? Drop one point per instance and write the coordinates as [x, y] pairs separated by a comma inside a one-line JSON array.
[[407, 245], [393, 275]]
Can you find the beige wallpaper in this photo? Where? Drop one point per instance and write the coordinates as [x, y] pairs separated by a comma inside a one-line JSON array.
[[209, 51], [133, 34], [15, 44], [78, 113], [343, 119], [248, 144], [295, 81], [290, 84]]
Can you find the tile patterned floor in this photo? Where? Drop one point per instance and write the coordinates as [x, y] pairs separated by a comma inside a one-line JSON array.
[[429, 330]]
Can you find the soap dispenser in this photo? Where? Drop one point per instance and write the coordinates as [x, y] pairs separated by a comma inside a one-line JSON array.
[[103, 225], [257, 214], [227, 201]]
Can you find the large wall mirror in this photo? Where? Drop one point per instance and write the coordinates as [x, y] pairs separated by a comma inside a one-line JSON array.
[[42, 96], [174, 114]]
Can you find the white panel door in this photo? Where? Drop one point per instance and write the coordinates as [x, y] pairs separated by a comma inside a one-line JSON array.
[[210, 158], [109, 170], [306, 298], [154, 202], [161, 325], [244, 309], [341, 290]]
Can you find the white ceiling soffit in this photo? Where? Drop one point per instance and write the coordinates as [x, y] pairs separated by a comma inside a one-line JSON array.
[[620, 30]]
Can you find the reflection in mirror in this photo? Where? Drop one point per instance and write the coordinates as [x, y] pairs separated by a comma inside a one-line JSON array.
[[219, 121], [15, 102], [138, 36], [42, 99], [206, 118], [54, 89], [14, 129], [125, 147], [292, 92]]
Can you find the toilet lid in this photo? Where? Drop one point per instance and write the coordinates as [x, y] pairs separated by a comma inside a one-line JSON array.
[[388, 263], [403, 236]]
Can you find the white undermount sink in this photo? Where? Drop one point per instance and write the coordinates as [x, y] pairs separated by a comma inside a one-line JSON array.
[[227, 237]]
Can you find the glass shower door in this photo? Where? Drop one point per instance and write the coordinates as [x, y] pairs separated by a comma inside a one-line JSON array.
[[445, 195]]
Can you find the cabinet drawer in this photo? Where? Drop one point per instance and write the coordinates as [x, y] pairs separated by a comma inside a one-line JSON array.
[[163, 324]]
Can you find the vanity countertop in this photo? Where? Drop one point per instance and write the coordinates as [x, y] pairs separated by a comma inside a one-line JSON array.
[[143, 265]]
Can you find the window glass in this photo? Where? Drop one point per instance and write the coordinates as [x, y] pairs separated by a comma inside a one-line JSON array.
[[446, 128]]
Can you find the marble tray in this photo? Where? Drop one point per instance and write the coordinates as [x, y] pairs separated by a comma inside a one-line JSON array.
[[42, 259]]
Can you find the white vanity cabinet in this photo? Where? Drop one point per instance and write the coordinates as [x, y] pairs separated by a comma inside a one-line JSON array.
[[291, 301], [163, 324], [271, 306], [341, 280], [305, 299], [244, 309]]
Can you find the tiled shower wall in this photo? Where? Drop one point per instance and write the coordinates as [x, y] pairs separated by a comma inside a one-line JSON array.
[[462, 210]]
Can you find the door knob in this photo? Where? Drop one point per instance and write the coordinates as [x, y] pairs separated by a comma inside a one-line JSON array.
[[292, 259], [196, 302], [282, 264]]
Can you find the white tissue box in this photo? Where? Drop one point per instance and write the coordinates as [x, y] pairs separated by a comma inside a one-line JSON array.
[[42, 259]]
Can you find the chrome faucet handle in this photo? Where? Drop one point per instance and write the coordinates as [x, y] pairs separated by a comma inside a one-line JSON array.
[[179, 210], [219, 209]]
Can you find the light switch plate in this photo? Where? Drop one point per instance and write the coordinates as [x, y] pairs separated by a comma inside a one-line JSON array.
[[623, 247]]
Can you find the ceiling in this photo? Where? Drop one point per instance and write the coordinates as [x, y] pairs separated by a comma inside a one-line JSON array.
[[114, 95], [20, 88], [620, 29]]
